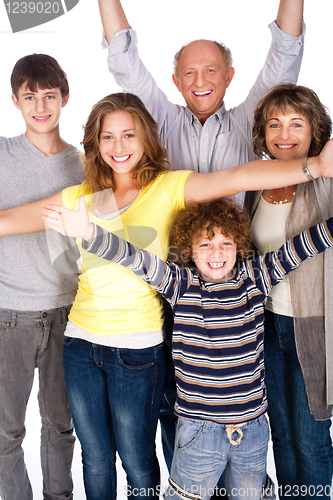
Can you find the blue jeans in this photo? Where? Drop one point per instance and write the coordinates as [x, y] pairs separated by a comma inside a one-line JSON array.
[[115, 397], [30, 340], [203, 452], [302, 446]]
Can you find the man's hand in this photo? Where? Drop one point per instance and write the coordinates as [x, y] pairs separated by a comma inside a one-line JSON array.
[[69, 222]]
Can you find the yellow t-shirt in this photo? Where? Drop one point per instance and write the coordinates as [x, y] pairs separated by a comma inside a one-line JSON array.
[[113, 300]]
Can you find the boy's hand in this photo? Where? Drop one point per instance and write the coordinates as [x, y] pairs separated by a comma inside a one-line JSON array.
[[69, 222]]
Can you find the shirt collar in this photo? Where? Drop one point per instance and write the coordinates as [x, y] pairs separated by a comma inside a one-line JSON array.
[[207, 285], [219, 114]]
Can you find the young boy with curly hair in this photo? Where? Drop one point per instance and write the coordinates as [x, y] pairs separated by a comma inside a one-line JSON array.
[[218, 299]]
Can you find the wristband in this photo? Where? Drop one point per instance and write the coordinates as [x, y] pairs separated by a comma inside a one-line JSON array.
[[305, 170]]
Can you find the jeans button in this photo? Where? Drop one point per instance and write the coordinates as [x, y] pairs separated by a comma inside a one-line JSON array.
[[44, 314]]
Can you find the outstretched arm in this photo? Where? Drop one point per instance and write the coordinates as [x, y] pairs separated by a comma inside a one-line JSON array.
[[167, 279], [269, 269], [25, 218], [113, 17], [290, 16], [261, 174]]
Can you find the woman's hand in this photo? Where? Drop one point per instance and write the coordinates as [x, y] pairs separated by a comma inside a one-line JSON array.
[[326, 160], [69, 222]]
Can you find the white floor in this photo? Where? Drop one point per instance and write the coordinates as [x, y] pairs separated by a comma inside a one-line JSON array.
[[31, 449]]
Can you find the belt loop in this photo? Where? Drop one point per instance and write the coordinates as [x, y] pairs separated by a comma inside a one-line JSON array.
[[64, 314], [13, 319]]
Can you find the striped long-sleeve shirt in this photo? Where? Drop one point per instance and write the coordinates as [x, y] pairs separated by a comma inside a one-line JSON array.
[[218, 339]]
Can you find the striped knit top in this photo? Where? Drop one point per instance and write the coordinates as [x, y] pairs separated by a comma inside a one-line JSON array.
[[218, 339]]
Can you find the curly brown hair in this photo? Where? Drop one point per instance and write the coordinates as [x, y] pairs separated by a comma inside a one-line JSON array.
[[97, 173], [288, 98], [197, 217]]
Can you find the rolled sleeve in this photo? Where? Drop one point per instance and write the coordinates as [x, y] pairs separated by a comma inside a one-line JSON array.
[[284, 43], [120, 42]]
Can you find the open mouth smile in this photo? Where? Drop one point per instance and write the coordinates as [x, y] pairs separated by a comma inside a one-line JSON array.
[[216, 265], [285, 146], [120, 159], [41, 119], [202, 94]]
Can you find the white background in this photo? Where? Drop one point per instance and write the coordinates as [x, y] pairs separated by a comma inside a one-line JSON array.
[[74, 40]]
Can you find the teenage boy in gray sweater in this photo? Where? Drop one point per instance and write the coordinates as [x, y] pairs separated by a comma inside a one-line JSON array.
[[35, 297]]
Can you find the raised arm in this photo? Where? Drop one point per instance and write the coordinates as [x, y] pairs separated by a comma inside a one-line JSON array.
[[261, 174], [113, 17], [25, 218], [290, 16]]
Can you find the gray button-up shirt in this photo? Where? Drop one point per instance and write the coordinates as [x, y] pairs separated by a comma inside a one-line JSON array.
[[225, 139]]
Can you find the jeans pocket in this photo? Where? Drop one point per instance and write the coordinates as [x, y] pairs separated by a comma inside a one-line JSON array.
[[137, 359], [3, 330], [68, 340], [264, 426], [285, 329], [263, 420], [187, 432]]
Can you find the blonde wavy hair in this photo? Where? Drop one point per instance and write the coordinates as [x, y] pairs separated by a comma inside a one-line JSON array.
[[97, 173]]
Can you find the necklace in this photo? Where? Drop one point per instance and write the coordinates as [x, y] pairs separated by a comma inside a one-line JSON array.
[[280, 202]]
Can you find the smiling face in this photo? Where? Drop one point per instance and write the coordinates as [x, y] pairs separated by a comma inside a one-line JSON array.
[[288, 136], [41, 109], [214, 258], [119, 144], [203, 78]]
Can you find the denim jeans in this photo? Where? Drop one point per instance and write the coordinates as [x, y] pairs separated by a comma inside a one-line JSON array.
[[29, 340], [115, 397], [203, 452], [302, 446]]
